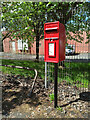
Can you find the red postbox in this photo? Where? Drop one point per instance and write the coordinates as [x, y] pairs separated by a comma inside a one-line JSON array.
[[54, 42]]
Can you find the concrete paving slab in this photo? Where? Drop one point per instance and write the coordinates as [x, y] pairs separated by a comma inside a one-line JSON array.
[[76, 57]]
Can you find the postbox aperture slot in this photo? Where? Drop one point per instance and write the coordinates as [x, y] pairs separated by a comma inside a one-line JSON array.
[[51, 29]]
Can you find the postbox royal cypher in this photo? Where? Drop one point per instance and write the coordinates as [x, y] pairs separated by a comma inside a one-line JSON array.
[[54, 42]]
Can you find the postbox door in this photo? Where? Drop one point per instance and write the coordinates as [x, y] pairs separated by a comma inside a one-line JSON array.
[[52, 51]]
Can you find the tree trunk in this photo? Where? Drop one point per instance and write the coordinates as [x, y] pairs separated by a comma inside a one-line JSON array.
[[1, 46], [37, 48]]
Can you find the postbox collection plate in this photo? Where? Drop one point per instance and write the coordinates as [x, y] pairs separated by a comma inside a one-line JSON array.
[[51, 50]]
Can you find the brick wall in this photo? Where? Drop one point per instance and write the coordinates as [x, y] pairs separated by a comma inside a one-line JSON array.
[[79, 47], [6, 45], [41, 48]]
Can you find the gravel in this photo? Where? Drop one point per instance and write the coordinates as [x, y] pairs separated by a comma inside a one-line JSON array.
[[17, 104]]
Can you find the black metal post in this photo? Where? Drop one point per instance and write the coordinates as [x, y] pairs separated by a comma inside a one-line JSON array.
[[55, 83]]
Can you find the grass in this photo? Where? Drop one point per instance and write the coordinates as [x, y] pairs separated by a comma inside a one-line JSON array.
[[60, 109], [25, 63], [74, 73], [51, 97], [79, 74]]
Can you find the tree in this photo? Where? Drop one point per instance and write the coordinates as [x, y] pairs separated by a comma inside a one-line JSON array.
[[26, 19], [75, 17]]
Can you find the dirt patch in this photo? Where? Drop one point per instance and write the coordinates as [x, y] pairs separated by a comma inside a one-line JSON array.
[[17, 104]]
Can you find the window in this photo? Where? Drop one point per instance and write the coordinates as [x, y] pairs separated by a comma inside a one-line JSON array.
[[22, 44]]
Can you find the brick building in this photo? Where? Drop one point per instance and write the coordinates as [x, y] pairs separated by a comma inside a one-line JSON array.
[[16, 46]]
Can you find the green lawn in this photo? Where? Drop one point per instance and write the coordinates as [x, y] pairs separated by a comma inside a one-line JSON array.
[[77, 74], [25, 63], [74, 73]]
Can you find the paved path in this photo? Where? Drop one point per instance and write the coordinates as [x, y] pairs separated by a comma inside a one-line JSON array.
[[79, 57], [83, 57], [18, 56]]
